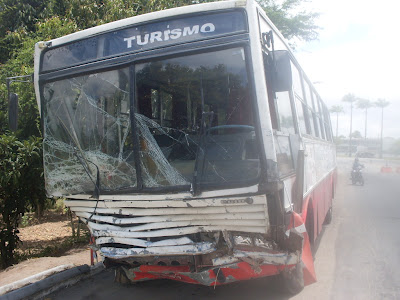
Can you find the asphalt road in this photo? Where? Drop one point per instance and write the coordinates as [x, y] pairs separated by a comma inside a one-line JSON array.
[[358, 254]]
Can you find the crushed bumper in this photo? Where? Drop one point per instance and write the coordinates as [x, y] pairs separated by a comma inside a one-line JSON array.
[[209, 277], [243, 259], [241, 265]]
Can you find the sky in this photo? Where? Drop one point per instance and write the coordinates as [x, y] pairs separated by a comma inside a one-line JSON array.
[[358, 52]]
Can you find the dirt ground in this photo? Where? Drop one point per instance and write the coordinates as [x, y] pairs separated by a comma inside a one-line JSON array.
[[50, 241]]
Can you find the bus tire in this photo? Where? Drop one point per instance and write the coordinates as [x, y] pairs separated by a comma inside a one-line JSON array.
[[292, 279], [310, 227], [120, 276], [328, 217]]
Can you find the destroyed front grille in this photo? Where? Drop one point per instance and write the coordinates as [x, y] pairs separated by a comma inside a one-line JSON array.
[[124, 228]]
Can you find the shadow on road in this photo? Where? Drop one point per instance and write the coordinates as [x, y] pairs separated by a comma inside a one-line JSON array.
[[102, 286], [317, 242]]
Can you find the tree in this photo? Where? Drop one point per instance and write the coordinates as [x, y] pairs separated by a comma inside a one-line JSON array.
[[350, 98], [21, 181], [356, 134], [382, 103], [337, 109], [364, 104], [291, 21], [22, 64], [21, 162], [17, 16], [287, 16]]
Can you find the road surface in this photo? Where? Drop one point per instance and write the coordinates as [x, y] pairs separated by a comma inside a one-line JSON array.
[[358, 254]]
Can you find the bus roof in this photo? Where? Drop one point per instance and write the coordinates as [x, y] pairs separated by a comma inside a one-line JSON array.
[[168, 13]]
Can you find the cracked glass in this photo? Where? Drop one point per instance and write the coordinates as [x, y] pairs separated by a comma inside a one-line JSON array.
[[199, 112], [87, 131], [193, 119]]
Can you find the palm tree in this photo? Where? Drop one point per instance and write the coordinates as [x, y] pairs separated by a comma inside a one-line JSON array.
[[337, 109], [382, 103], [350, 98], [364, 104]]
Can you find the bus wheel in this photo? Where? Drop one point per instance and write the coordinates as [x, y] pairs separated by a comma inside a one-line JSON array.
[[120, 276], [292, 279], [310, 228], [328, 217]]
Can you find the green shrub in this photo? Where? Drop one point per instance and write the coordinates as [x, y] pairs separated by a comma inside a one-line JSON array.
[[21, 184]]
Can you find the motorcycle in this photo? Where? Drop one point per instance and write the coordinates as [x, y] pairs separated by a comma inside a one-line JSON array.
[[356, 176]]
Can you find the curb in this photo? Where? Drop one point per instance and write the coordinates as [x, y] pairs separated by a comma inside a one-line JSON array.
[[32, 279], [42, 288]]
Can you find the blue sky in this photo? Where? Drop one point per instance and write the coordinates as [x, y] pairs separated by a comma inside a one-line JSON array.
[[357, 52]]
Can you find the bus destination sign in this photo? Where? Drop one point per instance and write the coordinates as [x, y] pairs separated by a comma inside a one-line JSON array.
[[177, 33], [144, 37]]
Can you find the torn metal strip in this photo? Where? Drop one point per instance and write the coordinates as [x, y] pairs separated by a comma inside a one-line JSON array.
[[270, 258], [171, 211], [173, 232], [180, 203], [144, 243], [180, 196], [198, 248], [170, 218], [163, 225]]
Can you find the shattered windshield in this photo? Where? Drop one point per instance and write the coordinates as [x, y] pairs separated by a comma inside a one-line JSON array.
[[199, 113], [87, 128], [193, 125]]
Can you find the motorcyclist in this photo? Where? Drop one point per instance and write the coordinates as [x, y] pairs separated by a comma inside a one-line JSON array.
[[357, 165], [356, 175]]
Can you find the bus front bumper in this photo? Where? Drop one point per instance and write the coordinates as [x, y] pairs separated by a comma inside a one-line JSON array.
[[209, 277], [242, 266]]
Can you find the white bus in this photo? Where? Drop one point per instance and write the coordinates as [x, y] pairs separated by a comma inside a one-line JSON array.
[[190, 142]]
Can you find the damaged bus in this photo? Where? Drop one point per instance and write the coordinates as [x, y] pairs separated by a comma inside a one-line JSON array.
[[190, 142]]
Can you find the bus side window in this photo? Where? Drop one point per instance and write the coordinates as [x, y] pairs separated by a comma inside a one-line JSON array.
[[285, 114], [320, 118], [301, 106], [308, 99], [327, 121], [316, 127], [280, 105]]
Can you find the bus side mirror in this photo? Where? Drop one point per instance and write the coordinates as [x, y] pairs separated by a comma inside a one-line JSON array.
[[282, 78], [13, 111]]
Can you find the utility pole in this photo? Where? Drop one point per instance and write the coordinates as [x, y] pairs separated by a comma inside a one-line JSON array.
[[350, 98], [382, 103], [381, 150], [351, 127]]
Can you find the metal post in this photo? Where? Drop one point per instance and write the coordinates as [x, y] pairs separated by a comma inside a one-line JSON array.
[[381, 150]]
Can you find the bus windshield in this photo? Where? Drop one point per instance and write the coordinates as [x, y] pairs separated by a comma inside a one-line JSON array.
[[193, 124]]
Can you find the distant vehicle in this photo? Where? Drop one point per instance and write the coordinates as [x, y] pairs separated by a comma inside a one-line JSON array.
[[365, 154], [191, 143], [356, 174]]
